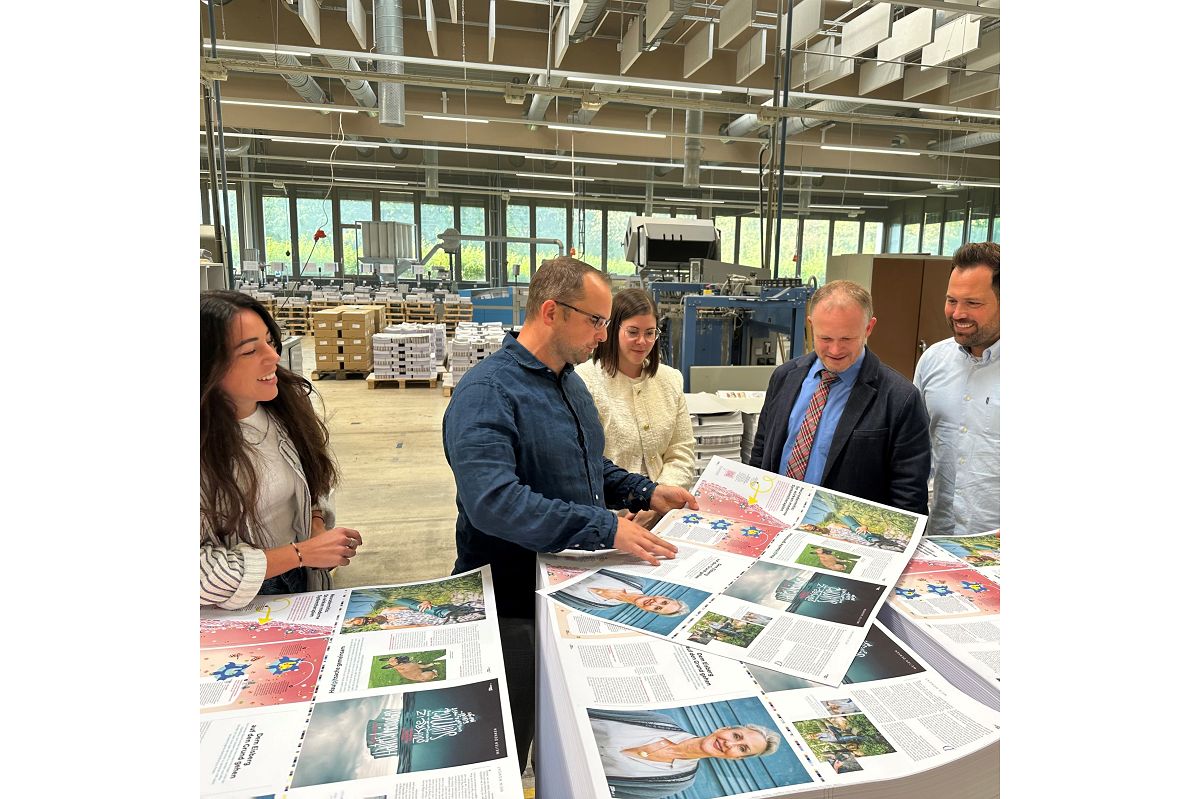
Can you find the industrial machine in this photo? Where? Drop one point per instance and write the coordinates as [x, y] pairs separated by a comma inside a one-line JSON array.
[[714, 313]]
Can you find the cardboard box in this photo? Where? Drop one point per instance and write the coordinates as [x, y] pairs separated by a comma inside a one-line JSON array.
[[358, 361], [327, 320]]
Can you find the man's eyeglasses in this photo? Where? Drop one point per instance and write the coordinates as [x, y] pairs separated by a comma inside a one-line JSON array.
[[598, 321], [633, 334]]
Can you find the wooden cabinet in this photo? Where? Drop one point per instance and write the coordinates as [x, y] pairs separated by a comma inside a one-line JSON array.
[[909, 292]]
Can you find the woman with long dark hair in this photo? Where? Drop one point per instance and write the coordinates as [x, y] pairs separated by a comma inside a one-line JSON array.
[[647, 428], [266, 474]]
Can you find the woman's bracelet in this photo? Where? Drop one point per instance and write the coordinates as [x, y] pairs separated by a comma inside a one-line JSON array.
[[299, 557]]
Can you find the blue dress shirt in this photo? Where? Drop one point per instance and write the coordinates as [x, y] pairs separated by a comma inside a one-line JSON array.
[[835, 403], [527, 450]]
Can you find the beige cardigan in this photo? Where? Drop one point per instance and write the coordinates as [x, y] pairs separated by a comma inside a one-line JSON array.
[[645, 420]]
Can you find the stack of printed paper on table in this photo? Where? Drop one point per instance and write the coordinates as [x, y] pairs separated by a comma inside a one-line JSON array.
[[750, 404], [391, 691], [717, 427], [946, 606], [614, 704]]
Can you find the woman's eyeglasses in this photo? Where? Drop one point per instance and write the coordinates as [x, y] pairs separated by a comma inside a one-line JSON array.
[[633, 334]]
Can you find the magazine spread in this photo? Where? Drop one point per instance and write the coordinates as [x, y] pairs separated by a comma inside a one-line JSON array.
[[770, 571], [660, 719], [946, 605], [385, 691]]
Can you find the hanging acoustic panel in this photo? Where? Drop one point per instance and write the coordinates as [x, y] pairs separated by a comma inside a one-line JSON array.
[[356, 18], [736, 16], [875, 75], [951, 40], [806, 21], [867, 29], [752, 56], [909, 34], [699, 50]]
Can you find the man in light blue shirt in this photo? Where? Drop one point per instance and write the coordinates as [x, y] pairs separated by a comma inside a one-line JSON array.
[[959, 381]]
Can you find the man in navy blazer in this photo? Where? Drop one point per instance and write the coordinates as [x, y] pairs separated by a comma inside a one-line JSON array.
[[872, 440]]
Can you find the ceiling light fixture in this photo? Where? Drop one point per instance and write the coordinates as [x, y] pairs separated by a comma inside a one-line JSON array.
[[957, 183], [325, 109], [552, 177], [882, 150], [374, 180], [643, 85], [542, 191], [891, 194], [371, 164], [612, 131], [454, 118], [269, 50], [745, 171], [960, 112], [691, 200]]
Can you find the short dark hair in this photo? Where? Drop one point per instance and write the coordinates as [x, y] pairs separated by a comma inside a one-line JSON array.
[[558, 279], [627, 303], [980, 253]]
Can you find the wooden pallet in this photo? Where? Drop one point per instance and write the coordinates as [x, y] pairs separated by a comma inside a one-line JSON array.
[[447, 391], [400, 382], [340, 374]]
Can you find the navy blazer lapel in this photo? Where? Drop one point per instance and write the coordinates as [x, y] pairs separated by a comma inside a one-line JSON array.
[[861, 396]]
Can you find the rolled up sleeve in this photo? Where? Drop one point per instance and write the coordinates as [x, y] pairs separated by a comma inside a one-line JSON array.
[[230, 578]]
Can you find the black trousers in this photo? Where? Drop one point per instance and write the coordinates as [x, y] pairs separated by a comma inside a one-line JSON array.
[[516, 638]]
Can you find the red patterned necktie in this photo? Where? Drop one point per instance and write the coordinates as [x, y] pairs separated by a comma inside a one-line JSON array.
[[798, 460]]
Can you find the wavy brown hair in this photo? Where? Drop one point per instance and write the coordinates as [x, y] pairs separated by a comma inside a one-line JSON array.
[[627, 303], [229, 482]]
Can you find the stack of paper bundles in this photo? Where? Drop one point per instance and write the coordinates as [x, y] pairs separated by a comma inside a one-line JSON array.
[[717, 428], [750, 404]]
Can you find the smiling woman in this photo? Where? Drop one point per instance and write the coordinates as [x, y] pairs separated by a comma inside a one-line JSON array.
[[266, 519]]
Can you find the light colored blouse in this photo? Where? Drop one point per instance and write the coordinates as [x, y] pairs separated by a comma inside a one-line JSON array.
[[647, 428]]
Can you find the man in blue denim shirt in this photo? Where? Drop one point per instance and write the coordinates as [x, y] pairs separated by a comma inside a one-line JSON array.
[[525, 443]]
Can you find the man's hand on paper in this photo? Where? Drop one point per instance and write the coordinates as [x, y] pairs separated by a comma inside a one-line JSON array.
[[646, 518], [641, 543], [667, 498]]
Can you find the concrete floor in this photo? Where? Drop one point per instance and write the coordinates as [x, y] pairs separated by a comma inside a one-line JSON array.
[[396, 487]]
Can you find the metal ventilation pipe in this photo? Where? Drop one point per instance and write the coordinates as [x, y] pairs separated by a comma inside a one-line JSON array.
[[747, 123], [389, 40], [693, 124], [360, 90], [967, 142], [398, 149], [591, 12], [363, 151], [304, 85], [230, 152]]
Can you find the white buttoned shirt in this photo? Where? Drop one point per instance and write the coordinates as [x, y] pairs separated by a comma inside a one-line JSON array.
[[962, 394]]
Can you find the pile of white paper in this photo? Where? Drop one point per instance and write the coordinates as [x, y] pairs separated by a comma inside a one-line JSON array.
[[718, 429], [388, 691], [946, 606], [750, 404], [404, 355], [473, 341]]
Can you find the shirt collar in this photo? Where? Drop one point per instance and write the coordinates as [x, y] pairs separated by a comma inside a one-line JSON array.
[[527, 358], [849, 376], [992, 353]]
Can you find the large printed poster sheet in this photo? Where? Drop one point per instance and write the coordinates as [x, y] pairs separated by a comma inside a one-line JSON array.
[[402, 695], [950, 594], [769, 571], [730, 729]]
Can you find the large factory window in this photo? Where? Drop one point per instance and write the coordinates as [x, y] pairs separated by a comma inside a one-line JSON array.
[[788, 252], [750, 241], [352, 211], [589, 236], [872, 238], [474, 253], [517, 225], [434, 219], [728, 227], [277, 232], [815, 252], [313, 214], [845, 237], [618, 221], [551, 224]]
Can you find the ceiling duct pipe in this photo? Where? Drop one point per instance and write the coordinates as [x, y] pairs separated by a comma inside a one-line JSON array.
[[748, 123], [231, 152], [399, 151], [693, 125], [304, 85], [967, 142], [540, 102], [587, 20], [389, 40], [363, 151], [360, 90]]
